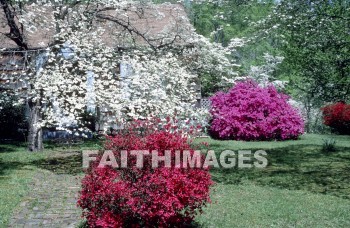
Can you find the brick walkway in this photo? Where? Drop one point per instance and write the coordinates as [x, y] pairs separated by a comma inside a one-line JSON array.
[[51, 202]]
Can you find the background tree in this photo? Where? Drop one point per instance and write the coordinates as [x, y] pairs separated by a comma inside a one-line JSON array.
[[12, 119], [314, 39], [81, 47], [222, 21]]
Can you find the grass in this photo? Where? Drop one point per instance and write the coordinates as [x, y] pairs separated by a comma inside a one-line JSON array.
[[307, 139], [293, 165], [301, 186], [249, 205], [18, 166], [16, 172]]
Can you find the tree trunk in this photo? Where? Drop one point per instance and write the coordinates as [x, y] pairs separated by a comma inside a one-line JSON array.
[[35, 136]]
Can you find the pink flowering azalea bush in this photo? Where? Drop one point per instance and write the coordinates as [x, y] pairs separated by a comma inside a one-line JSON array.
[[144, 197], [251, 112]]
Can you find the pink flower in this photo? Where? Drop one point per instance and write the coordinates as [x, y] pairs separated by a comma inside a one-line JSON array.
[[250, 112]]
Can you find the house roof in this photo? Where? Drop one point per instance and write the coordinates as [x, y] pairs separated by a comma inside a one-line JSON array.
[[158, 23]]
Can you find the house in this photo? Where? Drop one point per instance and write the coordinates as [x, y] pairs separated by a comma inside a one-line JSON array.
[[161, 22], [152, 26]]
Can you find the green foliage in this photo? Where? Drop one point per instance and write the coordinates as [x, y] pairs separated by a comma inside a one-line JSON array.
[[83, 224], [311, 35], [315, 41], [328, 145], [224, 20], [208, 88], [12, 118]]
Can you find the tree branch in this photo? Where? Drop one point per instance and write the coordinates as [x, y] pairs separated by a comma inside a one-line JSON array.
[[16, 35]]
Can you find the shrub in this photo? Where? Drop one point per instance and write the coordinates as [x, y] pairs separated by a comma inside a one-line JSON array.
[[147, 197], [328, 145], [251, 112], [337, 116], [12, 119]]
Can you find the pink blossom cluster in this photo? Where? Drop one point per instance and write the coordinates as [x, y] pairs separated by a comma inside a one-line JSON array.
[[251, 112]]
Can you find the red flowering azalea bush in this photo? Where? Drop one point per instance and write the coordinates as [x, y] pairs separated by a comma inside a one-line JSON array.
[[251, 112], [337, 116], [144, 197]]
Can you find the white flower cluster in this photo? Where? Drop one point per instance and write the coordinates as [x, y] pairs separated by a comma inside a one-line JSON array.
[[80, 69]]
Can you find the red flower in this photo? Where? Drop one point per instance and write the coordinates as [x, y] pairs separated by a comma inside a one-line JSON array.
[[147, 197], [337, 116]]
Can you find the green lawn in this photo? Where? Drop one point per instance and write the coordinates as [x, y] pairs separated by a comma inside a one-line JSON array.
[[307, 139], [249, 205], [301, 186], [18, 166], [16, 171]]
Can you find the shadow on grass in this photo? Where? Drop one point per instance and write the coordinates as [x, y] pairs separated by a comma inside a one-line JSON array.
[[8, 166], [65, 164], [71, 164], [302, 167], [10, 146], [297, 168], [4, 149]]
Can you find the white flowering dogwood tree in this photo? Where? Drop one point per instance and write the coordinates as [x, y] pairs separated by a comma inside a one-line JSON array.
[[263, 74], [80, 65]]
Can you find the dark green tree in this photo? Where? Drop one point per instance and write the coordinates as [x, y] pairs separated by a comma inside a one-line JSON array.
[[314, 37], [224, 20], [13, 123]]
